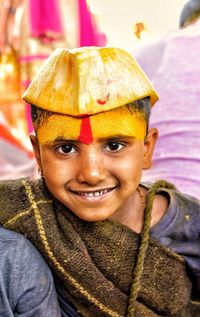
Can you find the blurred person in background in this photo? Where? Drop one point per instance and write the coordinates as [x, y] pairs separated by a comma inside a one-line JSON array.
[[30, 30], [172, 64]]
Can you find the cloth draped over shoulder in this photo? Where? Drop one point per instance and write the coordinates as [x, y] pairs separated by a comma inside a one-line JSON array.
[[94, 261]]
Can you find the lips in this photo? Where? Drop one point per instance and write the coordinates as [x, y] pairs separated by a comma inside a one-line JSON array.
[[92, 194]]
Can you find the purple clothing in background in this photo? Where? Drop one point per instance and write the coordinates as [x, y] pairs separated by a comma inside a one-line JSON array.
[[172, 64]]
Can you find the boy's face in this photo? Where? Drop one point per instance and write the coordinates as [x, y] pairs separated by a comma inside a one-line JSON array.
[[95, 181]]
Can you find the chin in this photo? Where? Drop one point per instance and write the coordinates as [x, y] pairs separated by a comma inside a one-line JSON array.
[[91, 217]]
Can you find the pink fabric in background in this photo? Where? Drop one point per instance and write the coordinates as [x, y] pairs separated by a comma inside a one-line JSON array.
[[89, 32], [45, 17], [173, 66]]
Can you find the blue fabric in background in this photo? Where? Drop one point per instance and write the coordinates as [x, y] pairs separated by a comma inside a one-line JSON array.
[[26, 283]]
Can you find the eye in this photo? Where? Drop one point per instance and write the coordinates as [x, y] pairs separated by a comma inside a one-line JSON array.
[[114, 146], [66, 149]]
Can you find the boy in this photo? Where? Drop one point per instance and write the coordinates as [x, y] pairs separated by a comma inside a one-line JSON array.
[[89, 215], [26, 283]]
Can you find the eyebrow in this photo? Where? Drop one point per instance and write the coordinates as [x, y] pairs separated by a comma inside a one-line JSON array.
[[117, 137], [62, 139], [112, 137]]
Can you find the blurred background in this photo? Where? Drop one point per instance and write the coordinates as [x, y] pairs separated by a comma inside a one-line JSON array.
[[31, 29], [121, 20]]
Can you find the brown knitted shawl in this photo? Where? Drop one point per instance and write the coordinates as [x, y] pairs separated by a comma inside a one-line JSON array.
[[104, 266]]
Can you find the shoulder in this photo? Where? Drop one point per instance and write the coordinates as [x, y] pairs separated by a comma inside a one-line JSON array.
[[187, 219], [16, 185], [13, 191], [179, 214], [26, 282], [9, 236], [17, 248], [184, 202], [20, 260], [188, 207], [188, 216], [13, 198], [16, 197], [179, 230], [10, 241]]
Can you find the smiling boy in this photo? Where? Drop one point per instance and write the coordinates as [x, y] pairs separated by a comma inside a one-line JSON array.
[[97, 180], [116, 246]]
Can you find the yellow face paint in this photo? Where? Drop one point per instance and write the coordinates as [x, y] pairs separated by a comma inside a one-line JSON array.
[[117, 122], [59, 126]]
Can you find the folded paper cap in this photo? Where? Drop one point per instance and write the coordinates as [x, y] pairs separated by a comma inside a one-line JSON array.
[[87, 81]]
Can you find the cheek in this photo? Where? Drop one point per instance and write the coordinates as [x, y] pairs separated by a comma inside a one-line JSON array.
[[55, 171], [129, 170], [133, 165]]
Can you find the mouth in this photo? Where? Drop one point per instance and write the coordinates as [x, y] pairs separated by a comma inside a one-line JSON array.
[[93, 195]]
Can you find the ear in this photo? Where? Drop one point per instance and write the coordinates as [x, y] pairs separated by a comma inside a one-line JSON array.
[[36, 148], [149, 146]]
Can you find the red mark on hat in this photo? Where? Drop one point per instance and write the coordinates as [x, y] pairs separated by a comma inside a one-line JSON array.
[[103, 101], [85, 131]]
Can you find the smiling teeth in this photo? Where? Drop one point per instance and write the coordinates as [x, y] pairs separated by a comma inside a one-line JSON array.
[[94, 194]]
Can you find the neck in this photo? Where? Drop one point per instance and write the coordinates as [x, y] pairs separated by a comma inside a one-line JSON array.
[[131, 214]]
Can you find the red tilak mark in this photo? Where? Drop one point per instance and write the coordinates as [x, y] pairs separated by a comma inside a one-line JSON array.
[[103, 101], [85, 131]]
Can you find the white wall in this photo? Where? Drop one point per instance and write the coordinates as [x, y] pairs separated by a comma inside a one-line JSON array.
[[117, 17]]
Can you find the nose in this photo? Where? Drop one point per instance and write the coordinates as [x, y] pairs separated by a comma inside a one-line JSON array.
[[91, 170]]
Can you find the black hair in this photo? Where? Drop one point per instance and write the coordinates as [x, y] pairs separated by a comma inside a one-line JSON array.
[[39, 116], [143, 106], [189, 13]]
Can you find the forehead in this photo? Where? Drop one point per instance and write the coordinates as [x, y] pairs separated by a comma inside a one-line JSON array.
[[120, 122]]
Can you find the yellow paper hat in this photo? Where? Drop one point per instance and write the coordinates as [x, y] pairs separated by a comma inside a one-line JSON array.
[[87, 81]]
